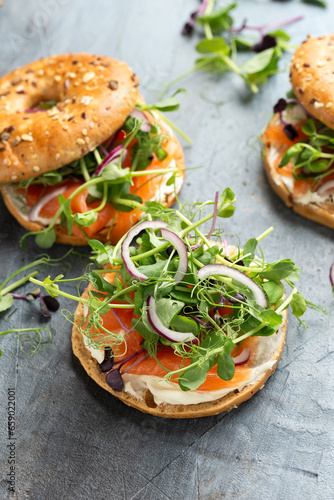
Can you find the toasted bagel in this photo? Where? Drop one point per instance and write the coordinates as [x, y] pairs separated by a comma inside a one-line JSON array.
[[94, 96], [269, 351], [311, 73], [322, 213], [165, 196]]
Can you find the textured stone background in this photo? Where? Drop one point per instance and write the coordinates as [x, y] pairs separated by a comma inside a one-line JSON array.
[[74, 441]]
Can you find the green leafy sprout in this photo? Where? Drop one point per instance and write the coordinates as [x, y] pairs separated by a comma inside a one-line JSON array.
[[112, 184], [223, 42], [220, 312]]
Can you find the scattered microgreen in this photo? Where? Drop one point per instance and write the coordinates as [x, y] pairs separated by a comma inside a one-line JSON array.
[[47, 303], [219, 49], [219, 312]]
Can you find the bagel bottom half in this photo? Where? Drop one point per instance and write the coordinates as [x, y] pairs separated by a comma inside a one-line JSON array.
[[270, 348], [322, 213], [165, 196]]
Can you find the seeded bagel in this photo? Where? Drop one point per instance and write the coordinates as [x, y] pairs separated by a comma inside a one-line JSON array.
[[269, 349], [312, 77], [94, 96]]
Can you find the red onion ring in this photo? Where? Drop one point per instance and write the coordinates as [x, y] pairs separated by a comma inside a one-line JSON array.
[[113, 155], [181, 250], [222, 270], [326, 188], [125, 252], [35, 209], [243, 357], [162, 330], [167, 235], [146, 126]]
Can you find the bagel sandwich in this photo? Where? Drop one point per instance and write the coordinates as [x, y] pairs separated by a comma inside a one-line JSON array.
[[179, 326], [76, 143], [299, 139]]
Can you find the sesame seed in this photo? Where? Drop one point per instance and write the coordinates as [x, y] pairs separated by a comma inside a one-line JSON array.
[[84, 131], [81, 142], [76, 84], [87, 139], [19, 89], [16, 141], [113, 84], [329, 105], [36, 168], [41, 72], [95, 119], [57, 156], [26, 137], [16, 80], [320, 64], [88, 76], [91, 125], [13, 177], [53, 111], [71, 75], [57, 78], [318, 105]]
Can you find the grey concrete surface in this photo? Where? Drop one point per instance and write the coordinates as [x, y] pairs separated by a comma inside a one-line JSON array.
[[73, 440]]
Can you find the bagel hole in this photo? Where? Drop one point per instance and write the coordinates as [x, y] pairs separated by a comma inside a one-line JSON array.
[[42, 105]]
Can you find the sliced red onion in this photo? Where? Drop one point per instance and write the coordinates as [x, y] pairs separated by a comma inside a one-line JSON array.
[[230, 272], [326, 188], [113, 155], [166, 234], [331, 274], [146, 126], [243, 357], [125, 251], [35, 209], [162, 330], [181, 250]]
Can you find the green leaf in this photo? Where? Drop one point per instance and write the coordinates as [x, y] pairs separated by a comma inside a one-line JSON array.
[[259, 62], [6, 302], [100, 283], [271, 317], [51, 286], [319, 3], [183, 324], [86, 219], [218, 20], [153, 270], [214, 45], [66, 216], [116, 174], [138, 300], [249, 248], [212, 64], [184, 297], [225, 208], [309, 127], [97, 306], [298, 304], [290, 153], [45, 239], [278, 270], [167, 309], [273, 291], [193, 377], [170, 104], [126, 208], [225, 363]]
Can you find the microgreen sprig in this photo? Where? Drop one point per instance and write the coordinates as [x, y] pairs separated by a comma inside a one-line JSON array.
[[222, 41]]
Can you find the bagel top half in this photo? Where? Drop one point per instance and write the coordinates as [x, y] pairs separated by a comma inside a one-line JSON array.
[[312, 77], [94, 96]]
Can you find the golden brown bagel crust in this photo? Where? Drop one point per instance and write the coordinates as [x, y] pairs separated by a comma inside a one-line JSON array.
[[148, 405], [312, 78], [94, 95], [311, 211], [167, 199]]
